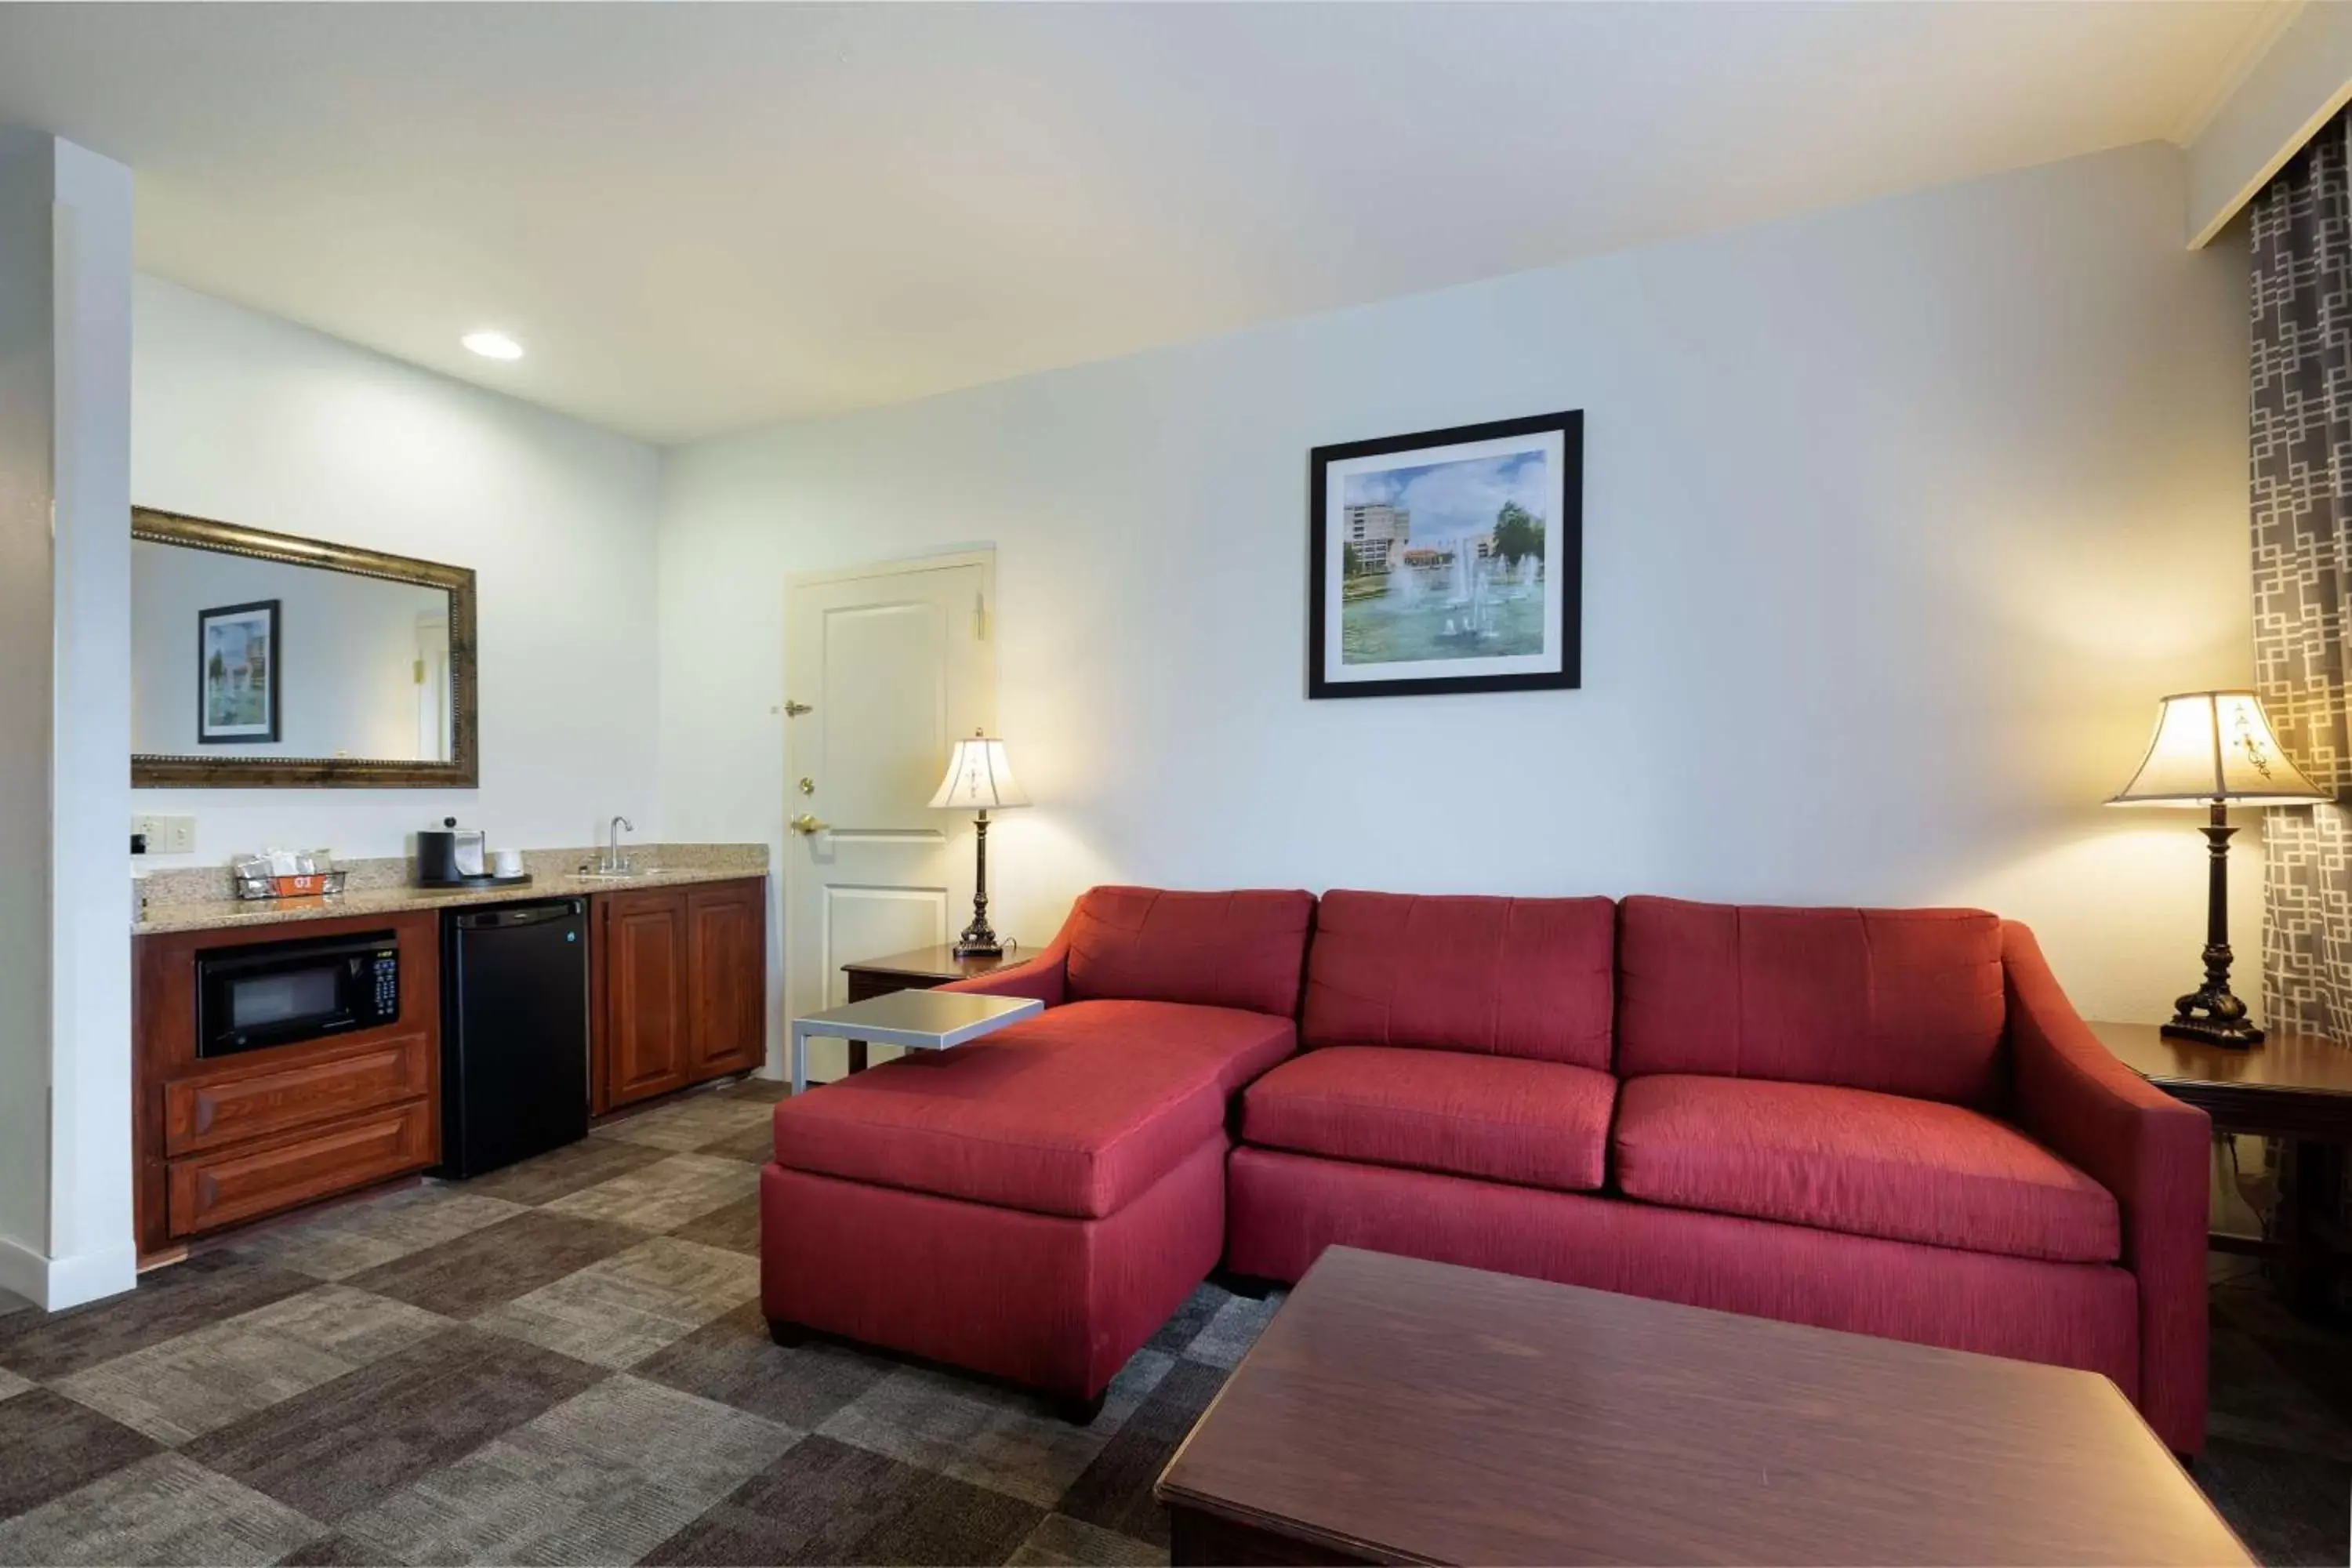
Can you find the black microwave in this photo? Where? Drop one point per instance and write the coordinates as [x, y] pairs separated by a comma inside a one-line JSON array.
[[248, 998]]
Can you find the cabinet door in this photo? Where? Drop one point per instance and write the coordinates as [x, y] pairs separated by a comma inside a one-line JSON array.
[[727, 958], [645, 991]]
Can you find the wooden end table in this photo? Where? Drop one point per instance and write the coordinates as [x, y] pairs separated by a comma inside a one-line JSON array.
[[2293, 1087], [912, 1020], [1399, 1411], [917, 969]]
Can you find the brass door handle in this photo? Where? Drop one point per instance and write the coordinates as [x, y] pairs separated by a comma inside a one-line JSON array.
[[806, 822]]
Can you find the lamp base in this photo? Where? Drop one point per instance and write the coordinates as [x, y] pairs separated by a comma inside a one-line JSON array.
[[2210, 1013], [979, 944], [2237, 1033]]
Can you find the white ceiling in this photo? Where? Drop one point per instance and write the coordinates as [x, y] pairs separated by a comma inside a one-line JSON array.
[[704, 218]]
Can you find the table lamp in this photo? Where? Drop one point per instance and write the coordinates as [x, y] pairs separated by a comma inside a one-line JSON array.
[[978, 779], [2213, 748]]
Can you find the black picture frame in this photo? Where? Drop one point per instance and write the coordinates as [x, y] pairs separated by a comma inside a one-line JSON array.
[[1564, 597], [204, 618]]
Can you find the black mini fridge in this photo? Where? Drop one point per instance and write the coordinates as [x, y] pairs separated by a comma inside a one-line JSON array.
[[514, 1033]]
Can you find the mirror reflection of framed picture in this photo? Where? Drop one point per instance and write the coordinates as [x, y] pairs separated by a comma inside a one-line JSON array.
[[1448, 561], [236, 673]]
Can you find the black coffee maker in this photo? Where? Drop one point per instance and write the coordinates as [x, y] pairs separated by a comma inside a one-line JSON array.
[[450, 856]]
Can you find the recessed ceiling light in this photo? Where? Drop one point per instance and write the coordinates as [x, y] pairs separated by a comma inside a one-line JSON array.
[[492, 345]]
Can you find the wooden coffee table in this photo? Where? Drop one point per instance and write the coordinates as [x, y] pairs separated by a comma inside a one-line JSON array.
[[1397, 1411]]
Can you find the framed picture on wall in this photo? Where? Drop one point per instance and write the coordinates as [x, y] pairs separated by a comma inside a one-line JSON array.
[[236, 673], [1447, 560]]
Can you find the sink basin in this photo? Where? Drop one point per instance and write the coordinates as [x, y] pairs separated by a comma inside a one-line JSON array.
[[592, 875]]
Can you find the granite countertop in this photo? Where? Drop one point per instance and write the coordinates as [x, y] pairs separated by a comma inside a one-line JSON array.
[[370, 892]]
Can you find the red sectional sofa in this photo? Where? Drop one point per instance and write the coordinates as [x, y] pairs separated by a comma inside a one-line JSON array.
[[1885, 1120]]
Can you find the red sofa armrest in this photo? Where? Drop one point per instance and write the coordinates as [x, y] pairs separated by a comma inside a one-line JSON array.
[[2149, 1150], [1044, 977]]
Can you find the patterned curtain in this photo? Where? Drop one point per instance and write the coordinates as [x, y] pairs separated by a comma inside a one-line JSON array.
[[2302, 493]]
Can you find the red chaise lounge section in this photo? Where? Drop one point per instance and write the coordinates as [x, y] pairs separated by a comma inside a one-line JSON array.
[[1886, 1122], [1035, 1205]]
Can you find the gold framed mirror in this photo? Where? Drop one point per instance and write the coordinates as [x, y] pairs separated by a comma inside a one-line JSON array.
[[264, 660]]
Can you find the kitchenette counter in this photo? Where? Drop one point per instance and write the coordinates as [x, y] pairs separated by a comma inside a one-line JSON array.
[[176, 901]]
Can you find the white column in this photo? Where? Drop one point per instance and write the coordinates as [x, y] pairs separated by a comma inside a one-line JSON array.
[[65, 799]]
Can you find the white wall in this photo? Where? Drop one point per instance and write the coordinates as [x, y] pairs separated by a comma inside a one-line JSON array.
[[250, 420], [64, 969], [346, 689], [1897, 520]]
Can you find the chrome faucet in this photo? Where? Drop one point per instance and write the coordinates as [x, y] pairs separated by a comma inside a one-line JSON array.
[[613, 860]]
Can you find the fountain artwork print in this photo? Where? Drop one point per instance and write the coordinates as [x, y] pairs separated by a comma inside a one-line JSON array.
[[1447, 561], [1456, 571]]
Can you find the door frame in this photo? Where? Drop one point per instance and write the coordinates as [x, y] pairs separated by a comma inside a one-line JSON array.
[[982, 555]]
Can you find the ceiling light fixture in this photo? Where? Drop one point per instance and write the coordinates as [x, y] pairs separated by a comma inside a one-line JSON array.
[[492, 345]]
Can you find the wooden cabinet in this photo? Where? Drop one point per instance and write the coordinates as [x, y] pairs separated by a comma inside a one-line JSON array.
[[639, 944], [204, 1113], [219, 1140], [726, 966], [209, 1190], [680, 981]]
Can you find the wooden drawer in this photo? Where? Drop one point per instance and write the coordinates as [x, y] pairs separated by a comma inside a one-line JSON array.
[[204, 1113], [209, 1190]]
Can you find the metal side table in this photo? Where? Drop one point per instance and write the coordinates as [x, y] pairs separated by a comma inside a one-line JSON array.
[[913, 1020]]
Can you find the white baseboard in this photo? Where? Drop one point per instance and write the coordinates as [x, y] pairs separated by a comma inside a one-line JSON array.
[[57, 1283]]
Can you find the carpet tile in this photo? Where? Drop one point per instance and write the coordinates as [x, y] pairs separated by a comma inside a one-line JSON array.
[[2264, 1491], [361, 1236], [732, 1361], [565, 1362], [334, 1550], [834, 1503], [603, 1478], [483, 1267], [756, 1144], [735, 1227], [188, 1387], [168, 1303], [664, 1194], [690, 1124], [52, 1445], [1061, 1542], [619, 1311], [1114, 1491], [564, 1171], [347, 1444], [163, 1510], [938, 1420], [1231, 1332]]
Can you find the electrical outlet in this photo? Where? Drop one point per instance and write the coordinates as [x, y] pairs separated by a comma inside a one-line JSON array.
[[167, 834]]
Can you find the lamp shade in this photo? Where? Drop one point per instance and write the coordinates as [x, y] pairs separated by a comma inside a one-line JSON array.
[[2215, 746], [979, 778]]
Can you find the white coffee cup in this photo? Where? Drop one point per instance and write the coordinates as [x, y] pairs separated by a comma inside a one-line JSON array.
[[506, 862]]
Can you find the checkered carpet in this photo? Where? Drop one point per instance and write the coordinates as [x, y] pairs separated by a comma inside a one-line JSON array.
[[561, 1362]]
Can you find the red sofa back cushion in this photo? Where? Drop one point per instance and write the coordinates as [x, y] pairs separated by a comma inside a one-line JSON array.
[[1513, 977], [1902, 1001], [1214, 950]]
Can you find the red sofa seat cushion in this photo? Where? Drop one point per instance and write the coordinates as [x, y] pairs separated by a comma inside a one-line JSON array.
[[1903, 1001], [1540, 1124], [1074, 1111], [1240, 950], [1514, 977], [1863, 1164]]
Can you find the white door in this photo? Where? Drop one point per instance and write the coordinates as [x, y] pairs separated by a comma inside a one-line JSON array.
[[432, 688], [885, 667]]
